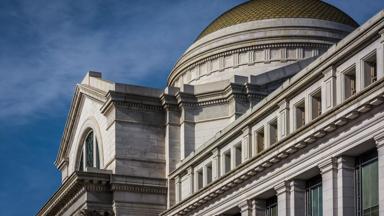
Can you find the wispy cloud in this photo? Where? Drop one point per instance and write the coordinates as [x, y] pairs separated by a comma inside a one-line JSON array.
[[47, 46], [53, 44]]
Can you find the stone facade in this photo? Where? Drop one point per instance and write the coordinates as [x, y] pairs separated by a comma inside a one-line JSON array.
[[249, 122]]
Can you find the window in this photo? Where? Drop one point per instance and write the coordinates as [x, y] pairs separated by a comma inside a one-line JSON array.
[[367, 185], [271, 207], [350, 82], [316, 104], [370, 69], [238, 152], [300, 114], [314, 193], [199, 179], [260, 140], [273, 132], [227, 161], [90, 153], [209, 173]]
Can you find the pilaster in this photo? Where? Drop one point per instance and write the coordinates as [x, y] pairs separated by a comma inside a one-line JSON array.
[[246, 208], [345, 186], [380, 157], [258, 207], [297, 198], [187, 128], [177, 189], [328, 171], [283, 195], [380, 56], [283, 120], [215, 164], [246, 144], [328, 89], [191, 180]]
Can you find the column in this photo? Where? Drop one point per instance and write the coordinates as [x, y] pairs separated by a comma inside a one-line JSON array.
[[215, 164], [258, 207], [380, 156], [246, 144], [329, 183], [345, 186], [283, 120], [177, 189], [246, 208], [328, 89], [282, 193], [297, 198]]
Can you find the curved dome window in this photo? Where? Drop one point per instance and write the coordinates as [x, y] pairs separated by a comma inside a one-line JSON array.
[[90, 154]]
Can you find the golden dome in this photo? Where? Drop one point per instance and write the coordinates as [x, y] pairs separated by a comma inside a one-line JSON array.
[[270, 9]]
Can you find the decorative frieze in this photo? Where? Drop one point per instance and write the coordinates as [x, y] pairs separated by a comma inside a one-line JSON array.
[[139, 188], [247, 56]]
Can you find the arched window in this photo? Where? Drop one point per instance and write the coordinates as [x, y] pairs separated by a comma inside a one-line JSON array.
[[90, 152]]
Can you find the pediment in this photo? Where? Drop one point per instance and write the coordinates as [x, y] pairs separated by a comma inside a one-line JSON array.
[[82, 92]]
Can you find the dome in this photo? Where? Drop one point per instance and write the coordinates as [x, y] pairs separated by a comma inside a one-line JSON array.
[[270, 9], [259, 36]]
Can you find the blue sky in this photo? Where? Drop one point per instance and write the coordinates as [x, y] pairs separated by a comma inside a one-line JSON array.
[[46, 47]]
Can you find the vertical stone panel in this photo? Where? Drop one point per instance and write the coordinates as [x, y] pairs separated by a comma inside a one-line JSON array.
[[328, 89], [283, 195], [345, 186], [297, 198], [329, 184], [246, 208], [380, 155]]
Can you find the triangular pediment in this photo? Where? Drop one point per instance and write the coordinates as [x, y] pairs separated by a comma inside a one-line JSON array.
[[86, 89]]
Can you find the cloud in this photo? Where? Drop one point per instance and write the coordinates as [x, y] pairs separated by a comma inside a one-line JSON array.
[[48, 46], [53, 44]]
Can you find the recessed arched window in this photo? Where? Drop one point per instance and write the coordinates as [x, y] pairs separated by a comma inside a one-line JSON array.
[[90, 153]]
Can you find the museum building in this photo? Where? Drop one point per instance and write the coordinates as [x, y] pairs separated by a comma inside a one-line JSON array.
[[276, 109]]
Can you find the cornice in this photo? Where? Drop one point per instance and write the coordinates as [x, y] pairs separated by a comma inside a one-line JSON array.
[[82, 182], [138, 188], [78, 182], [132, 102], [233, 91]]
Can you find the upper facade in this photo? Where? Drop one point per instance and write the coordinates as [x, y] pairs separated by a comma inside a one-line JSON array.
[[259, 36], [263, 83]]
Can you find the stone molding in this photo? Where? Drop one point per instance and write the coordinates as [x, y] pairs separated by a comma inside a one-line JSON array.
[[139, 188], [345, 162], [379, 139], [132, 102], [327, 165], [245, 206], [281, 188], [76, 184], [237, 51], [242, 93], [82, 182]]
